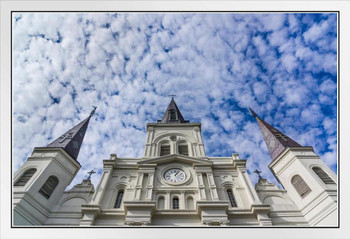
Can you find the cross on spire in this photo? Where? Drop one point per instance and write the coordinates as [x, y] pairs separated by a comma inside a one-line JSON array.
[[282, 136], [90, 173], [66, 136], [93, 111], [258, 173], [172, 96]]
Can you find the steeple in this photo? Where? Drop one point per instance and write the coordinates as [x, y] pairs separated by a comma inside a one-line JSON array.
[[172, 114], [275, 140], [71, 140]]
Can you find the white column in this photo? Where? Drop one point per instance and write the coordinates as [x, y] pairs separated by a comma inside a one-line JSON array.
[[252, 195], [153, 151], [212, 186], [202, 195], [196, 150], [190, 148], [150, 186], [182, 200], [138, 187], [172, 147], [167, 202], [101, 188]]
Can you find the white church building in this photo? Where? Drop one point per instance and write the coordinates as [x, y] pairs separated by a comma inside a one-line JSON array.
[[175, 183]]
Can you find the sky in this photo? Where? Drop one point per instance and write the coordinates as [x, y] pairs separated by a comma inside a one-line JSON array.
[[282, 65]]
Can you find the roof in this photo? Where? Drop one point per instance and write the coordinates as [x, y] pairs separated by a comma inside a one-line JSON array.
[[172, 114], [275, 140], [72, 140]]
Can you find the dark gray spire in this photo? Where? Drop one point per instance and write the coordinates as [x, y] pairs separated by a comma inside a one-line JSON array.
[[275, 140], [172, 114], [71, 140]]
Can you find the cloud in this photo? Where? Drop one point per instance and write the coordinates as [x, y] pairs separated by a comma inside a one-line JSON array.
[[316, 31], [284, 66]]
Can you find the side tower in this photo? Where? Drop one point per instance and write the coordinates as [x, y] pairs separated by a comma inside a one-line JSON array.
[[310, 184], [41, 180]]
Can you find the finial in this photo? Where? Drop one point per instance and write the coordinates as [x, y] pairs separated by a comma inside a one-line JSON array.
[[258, 173], [113, 157], [90, 173], [253, 113], [172, 96], [235, 156], [93, 111]]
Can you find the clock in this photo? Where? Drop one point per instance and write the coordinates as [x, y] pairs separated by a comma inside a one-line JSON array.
[[174, 175]]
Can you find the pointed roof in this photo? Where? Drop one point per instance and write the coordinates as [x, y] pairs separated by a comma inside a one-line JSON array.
[[72, 140], [275, 140], [172, 114]]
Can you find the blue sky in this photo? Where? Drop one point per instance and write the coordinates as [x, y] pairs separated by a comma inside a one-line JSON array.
[[284, 66]]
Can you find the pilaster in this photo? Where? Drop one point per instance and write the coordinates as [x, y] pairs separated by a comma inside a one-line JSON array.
[[252, 195]]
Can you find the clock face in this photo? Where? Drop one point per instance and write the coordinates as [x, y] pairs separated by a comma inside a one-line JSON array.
[[174, 175]]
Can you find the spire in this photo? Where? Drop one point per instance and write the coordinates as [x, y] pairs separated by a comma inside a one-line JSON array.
[[275, 140], [71, 140], [172, 114]]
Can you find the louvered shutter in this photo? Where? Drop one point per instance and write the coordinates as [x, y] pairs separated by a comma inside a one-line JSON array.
[[49, 186], [300, 185], [231, 198], [323, 176], [25, 177], [164, 150], [183, 149]]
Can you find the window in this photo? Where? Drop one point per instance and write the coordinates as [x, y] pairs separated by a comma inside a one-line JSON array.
[[164, 150], [231, 198], [323, 176], [183, 149], [172, 115], [48, 187], [119, 199], [25, 177], [300, 185], [175, 203]]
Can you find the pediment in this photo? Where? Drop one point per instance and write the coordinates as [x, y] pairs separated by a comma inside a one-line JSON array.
[[175, 158]]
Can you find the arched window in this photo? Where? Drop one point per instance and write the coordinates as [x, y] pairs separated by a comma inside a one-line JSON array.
[[119, 199], [48, 187], [189, 203], [25, 177], [183, 149], [300, 185], [175, 203], [161, 202], [231, 198], [164, 149], [323, 176]]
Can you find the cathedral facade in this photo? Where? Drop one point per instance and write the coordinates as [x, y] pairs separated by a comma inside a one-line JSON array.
[[175, 183]]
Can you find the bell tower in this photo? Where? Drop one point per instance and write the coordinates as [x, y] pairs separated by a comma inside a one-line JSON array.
[[174, 135], [41, 180], [310, 184]]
